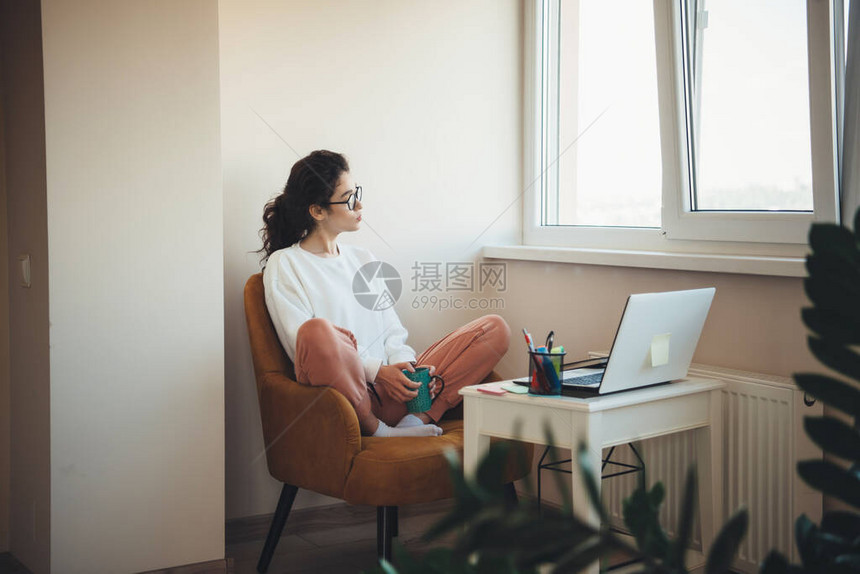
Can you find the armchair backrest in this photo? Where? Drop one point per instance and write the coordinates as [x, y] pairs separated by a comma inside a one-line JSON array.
[[266, 350], [311, 434]]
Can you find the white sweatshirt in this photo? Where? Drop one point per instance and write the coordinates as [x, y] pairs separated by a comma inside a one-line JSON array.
[[300, 286]]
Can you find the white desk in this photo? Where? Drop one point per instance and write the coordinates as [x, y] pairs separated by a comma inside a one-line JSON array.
[[605, 421]]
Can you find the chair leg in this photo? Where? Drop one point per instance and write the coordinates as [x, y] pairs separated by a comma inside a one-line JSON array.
[[386, 527], [285, 503], [511, 498]]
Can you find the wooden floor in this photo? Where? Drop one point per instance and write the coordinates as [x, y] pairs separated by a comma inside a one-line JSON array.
[[339, 548], [336, 540]]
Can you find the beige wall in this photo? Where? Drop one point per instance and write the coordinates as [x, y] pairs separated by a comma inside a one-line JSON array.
[[5, 426], [754, 323], [24, 127], [134, 204], [424, 99]]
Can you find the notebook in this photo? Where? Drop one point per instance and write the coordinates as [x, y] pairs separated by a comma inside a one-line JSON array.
[[654, 344]]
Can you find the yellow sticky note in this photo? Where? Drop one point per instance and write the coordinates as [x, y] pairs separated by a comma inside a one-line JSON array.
[[660, 349]]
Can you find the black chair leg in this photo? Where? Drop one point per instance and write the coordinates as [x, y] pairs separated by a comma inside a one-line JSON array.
[[511, 499], [396, 532], [386, 528], [285, 503]]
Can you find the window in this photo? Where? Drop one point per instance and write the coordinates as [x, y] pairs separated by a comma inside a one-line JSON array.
[[607, 85], [659, 124], [748, 103]]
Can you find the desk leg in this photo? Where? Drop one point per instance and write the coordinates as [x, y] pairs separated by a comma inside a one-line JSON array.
[[586, 430], [475, 445], [710, 474]]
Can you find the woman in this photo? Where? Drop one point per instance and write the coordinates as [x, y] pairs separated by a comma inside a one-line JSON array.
[[331, 338]]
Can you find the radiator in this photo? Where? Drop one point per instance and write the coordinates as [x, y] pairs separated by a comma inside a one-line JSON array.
[[763, 440]]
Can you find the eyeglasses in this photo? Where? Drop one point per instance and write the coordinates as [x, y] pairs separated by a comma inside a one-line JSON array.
[[350, 201]]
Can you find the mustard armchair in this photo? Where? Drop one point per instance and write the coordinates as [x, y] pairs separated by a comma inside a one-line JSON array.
[[313, 441]]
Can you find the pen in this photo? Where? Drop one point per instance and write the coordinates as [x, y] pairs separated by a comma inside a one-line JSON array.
[[529, 340], [547, 367], [532, 357]]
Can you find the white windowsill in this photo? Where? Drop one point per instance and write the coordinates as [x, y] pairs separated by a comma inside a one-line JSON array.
[[743, 264]]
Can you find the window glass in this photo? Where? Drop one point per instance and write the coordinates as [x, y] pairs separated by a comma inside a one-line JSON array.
[[748, 73], [608, 167]]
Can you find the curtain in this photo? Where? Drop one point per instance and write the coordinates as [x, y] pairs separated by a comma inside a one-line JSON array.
[[851, 119]]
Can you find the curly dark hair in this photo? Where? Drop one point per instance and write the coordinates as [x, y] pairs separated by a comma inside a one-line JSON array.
[[286, 219]]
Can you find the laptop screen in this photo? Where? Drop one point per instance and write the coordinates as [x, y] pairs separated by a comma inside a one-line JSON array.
[[656, 338]]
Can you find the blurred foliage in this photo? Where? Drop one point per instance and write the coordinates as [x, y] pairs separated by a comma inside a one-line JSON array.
[[833, 287], [496, 537], [499, 537]]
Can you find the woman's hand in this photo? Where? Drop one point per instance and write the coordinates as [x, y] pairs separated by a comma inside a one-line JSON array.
[[432, 385], [398, 385]]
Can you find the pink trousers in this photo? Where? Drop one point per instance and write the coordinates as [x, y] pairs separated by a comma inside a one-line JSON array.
[[327, 355]]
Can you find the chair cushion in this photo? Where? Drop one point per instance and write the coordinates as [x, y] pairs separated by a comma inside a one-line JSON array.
[[397, 471]]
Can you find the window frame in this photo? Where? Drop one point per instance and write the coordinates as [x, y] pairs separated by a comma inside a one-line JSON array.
[[769, 234]]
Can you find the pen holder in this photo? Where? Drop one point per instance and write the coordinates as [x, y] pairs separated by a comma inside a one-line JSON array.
[[545, 372]]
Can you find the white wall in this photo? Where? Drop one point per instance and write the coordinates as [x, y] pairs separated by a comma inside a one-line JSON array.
[[134, 205], [29, 375], [424, 99]]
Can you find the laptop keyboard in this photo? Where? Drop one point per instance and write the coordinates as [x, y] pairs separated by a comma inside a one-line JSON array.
[[569, 379], [584, 381]]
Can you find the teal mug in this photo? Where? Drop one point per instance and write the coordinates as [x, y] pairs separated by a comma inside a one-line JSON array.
[[422, 402]]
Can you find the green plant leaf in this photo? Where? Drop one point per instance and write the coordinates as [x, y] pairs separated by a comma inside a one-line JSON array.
[[822, 266], [726, 544], [804, 533], [455, 471], [774, 563], [845, 524], [849, 560], [838, 266], [678, 548], [550, 551], [467, 497], [491, 469], [387, 566], [657, 494], [836, 356], [497, 565], [440, 561], [829, 297], [832, 480], [857, 228], [581, 556], [834, 437], [832, 324], [835, 241], [590, 478], [641, 512], [828, 292], [830, 391]]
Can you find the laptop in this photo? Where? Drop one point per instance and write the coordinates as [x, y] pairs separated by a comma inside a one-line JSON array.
[[654, 344]]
